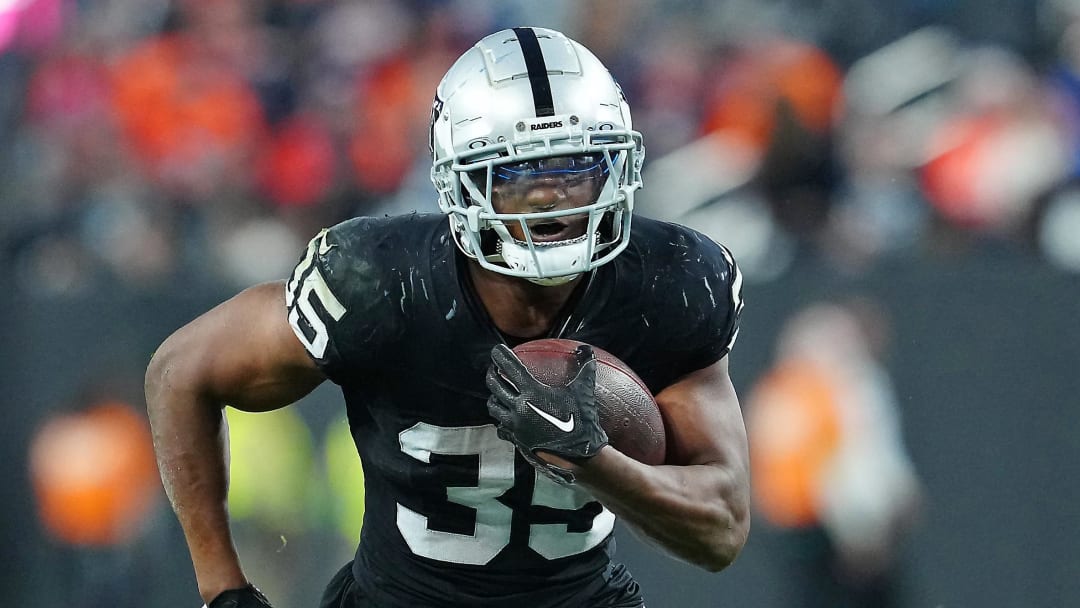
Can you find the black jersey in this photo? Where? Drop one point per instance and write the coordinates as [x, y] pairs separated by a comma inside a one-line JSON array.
[[454, 515]]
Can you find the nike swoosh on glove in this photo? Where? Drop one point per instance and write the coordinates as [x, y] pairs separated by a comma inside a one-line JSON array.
[[562, 420]]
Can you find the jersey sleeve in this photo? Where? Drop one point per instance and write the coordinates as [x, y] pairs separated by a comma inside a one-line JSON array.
[[334, 304], [709, 303], [731, 278]]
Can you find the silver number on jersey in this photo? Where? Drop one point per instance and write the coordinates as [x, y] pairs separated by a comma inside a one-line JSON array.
[[736, 291], [298, 294], [496, 476], [493, 518], [555, 540]]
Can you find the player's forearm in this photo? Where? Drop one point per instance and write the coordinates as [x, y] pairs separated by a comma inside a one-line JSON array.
[[699, 513], [190, 441]]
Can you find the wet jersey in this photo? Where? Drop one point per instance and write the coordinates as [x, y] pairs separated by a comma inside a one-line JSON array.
[[454, 515]]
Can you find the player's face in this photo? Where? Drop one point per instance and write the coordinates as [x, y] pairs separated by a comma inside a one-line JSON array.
[[549, 184]]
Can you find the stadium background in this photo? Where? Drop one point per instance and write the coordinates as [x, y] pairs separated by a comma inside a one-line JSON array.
[[917, 157]]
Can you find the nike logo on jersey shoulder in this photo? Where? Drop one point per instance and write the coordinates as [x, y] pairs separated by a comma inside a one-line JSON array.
[[563, 425]]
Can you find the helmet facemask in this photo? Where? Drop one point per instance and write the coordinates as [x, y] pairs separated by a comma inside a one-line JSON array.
[[542, 215]]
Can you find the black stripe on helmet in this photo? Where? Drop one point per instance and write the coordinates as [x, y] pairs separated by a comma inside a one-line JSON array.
[[538, 74]]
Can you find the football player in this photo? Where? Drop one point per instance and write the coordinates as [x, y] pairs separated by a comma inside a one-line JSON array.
[[473, 499]]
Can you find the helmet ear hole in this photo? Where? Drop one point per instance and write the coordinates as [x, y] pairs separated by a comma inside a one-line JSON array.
[[477, 178], [606, 227], [467, 198], [489, 242]]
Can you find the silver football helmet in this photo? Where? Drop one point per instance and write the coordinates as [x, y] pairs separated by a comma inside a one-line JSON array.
[[523, 110]]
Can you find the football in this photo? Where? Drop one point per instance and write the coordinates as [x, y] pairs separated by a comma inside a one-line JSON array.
[[628, 411]]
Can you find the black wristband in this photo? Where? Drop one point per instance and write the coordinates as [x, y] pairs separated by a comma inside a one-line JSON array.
[[244, 597]]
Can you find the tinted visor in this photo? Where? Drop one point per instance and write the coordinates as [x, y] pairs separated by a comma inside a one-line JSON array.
[[584, 173]]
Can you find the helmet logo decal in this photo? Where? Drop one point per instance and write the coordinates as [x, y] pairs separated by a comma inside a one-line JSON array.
[[538, 72], [436, 110], [554, 124]]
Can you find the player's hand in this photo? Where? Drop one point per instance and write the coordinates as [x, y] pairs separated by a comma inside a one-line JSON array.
[[562, 420], [244, 597]]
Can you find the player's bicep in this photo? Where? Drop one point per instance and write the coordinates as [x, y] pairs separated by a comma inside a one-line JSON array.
[[703, 420], [244, 354]]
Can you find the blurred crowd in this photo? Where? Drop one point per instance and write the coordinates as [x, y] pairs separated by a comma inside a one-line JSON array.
[[828, 459], [154, 142]]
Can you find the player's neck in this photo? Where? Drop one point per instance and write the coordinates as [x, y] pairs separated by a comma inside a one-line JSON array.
[[519, 307]]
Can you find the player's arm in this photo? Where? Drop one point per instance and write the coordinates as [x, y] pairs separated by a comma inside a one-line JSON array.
[[242, 353], [697, 507]]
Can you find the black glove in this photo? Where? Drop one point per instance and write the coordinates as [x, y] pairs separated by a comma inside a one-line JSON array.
[[244, 597], [562, 420]]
